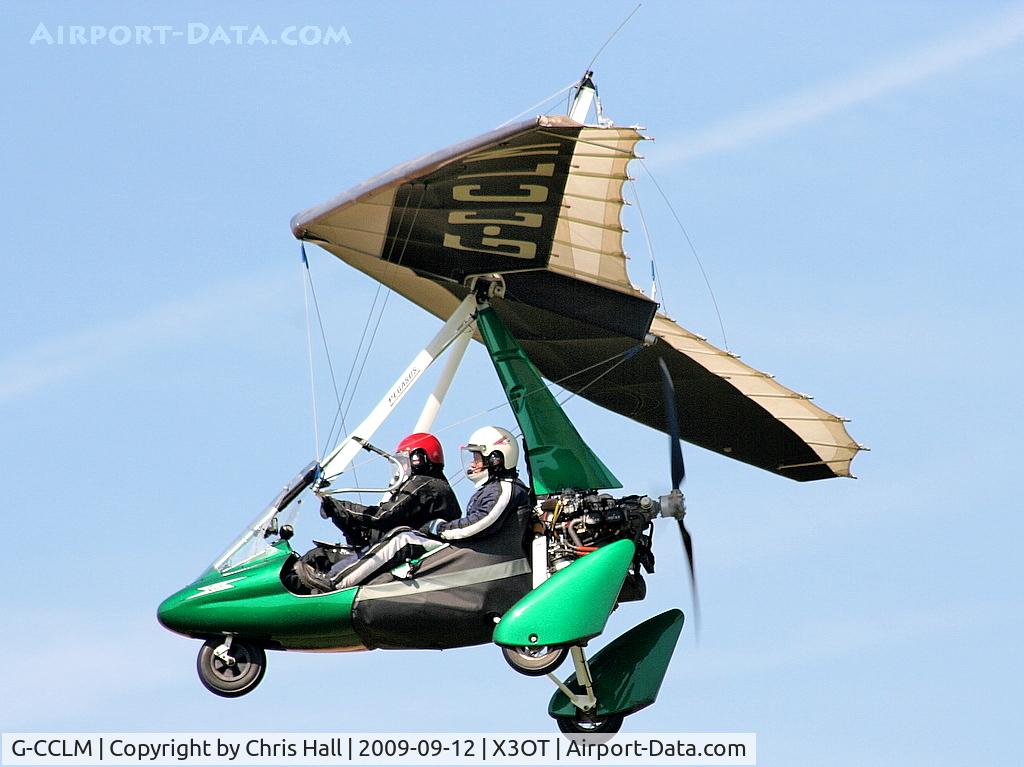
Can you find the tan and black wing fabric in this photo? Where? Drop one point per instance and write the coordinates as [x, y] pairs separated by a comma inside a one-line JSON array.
[[540, 203]]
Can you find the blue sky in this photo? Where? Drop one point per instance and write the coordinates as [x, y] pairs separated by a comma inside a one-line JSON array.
[[851, 178]]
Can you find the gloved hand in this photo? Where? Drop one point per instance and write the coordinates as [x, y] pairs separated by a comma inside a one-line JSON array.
[[432, 527], [334, 509]]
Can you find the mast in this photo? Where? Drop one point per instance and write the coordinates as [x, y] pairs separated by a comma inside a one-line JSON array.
[[586, 92]]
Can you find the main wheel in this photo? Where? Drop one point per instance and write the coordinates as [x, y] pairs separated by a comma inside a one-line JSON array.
[[582, 724], [534, 661], [234, 677]]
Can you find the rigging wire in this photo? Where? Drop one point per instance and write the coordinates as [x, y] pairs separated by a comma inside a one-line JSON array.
[[700, 264], [590, 66], [655, 275], [323, 332], [387, 295], [338, 413], [540, 103], [574, 83], [624, 355], [341, 412], [366, 355], [309, 354], [327, 353]]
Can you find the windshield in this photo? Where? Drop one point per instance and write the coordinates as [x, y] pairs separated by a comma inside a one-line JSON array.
[[253, 541], [400, 468]]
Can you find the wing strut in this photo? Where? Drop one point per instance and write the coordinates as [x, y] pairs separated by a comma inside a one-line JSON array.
[[456, 331]]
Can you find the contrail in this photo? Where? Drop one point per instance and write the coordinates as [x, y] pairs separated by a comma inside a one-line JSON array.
[[816, 103], [24, 372]]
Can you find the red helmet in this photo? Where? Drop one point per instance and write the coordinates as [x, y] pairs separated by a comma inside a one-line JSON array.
[[422, 446]]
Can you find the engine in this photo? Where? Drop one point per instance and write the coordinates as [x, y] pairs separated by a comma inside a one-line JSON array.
[[579, 523]]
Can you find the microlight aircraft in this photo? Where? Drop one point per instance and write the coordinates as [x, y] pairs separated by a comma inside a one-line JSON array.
[[514, 238]]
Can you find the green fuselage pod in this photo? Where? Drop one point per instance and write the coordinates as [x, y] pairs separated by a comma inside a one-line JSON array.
[[627, 674], [570, 606], [559, 458], [250, 601]]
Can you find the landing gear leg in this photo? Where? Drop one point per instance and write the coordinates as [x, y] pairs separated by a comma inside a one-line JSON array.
[[585, 720], [230, 667]]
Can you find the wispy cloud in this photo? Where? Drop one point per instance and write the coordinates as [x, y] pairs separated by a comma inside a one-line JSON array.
[[26, 371], [807, 106]]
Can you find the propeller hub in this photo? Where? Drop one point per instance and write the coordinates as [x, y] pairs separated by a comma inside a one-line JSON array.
[[673, 505]]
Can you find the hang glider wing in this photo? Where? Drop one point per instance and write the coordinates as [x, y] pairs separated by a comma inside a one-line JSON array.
[[539, 203]]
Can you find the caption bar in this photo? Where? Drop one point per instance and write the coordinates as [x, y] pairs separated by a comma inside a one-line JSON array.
[[323, 749]]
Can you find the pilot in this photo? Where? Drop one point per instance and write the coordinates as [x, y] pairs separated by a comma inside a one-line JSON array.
[[500, 508], [424, 496]]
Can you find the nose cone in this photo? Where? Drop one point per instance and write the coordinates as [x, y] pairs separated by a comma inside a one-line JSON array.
[[174, 612]]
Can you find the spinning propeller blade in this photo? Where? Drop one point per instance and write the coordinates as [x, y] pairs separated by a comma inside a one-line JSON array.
[[678, 475], [668, 394], [688, 545]]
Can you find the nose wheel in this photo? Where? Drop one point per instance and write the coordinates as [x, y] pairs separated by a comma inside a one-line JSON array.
[[229, 667]]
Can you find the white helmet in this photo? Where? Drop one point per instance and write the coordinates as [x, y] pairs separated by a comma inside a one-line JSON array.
[[499, 449]]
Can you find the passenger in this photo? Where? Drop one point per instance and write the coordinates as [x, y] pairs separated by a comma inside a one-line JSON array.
[[499, 506]]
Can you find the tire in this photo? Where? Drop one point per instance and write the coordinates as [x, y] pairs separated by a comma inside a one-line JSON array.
[[583, 725], [534, 661], [231, 680]]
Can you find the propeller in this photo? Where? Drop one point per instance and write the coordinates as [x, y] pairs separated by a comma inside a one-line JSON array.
[[673, 504]]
